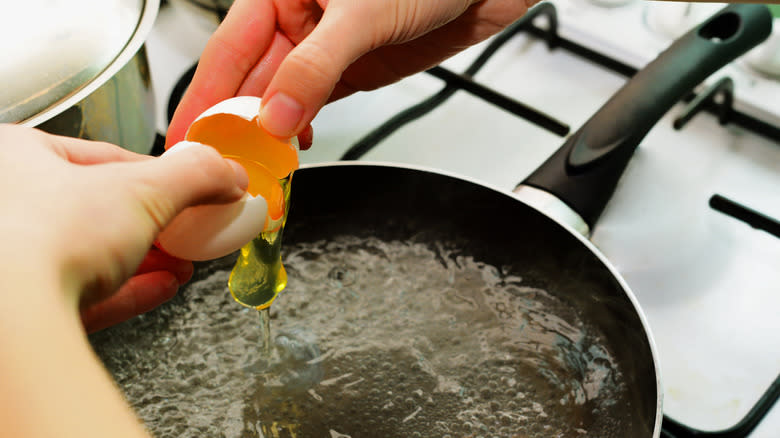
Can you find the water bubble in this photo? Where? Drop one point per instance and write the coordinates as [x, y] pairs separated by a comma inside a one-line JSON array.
[[342, 276]]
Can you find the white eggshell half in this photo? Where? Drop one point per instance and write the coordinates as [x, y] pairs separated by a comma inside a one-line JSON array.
[[207, 232], [246, 107]]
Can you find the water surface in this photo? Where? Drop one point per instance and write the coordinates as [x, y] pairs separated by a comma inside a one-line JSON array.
[[373, 339]]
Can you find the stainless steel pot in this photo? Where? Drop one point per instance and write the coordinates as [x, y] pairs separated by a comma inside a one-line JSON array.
[[80, 69]]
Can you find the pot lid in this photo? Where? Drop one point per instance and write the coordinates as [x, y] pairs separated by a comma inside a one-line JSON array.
[[56, 52]]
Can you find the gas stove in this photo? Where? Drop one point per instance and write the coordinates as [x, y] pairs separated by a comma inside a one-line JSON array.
[[708, 283]]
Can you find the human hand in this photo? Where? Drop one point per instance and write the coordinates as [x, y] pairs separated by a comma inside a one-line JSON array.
[[82, 215], [300, 54], [155, 281]]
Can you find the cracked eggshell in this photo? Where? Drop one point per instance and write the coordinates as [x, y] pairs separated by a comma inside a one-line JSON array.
[[246, 107], [207, 232]]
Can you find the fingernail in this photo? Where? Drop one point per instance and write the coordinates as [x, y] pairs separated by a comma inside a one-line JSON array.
[[183, 273], [242, 178], [306, 138], [281, 115]]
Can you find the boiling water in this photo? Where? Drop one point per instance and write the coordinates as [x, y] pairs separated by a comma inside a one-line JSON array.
[[372, 339]]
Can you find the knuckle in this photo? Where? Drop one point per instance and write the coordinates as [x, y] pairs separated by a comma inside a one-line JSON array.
[[206, 173], [155, 205], [243, 60], [211, 166], [317, 62]]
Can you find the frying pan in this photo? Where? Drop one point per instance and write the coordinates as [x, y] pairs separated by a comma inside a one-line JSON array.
[[528, 244]]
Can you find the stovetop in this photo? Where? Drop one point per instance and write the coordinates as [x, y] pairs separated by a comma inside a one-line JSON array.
[[709, 284]]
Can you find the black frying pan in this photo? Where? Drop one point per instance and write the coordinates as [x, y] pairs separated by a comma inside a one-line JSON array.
[[369, 239]]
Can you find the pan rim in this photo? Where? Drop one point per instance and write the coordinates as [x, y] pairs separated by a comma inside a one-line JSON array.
[[588, 244]]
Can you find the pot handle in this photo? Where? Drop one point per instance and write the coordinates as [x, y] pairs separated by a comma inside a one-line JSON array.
[[584, 172]]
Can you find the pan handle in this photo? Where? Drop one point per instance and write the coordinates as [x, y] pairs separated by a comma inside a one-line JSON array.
[[584, 172]]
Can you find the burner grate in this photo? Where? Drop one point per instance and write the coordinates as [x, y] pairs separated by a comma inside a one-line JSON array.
[[672, 429]]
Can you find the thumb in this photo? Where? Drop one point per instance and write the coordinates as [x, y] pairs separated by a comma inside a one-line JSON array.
[[186, 175], [308, 74]]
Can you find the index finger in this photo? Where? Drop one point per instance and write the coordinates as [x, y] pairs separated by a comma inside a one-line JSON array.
[[230, 54], [88, 152]]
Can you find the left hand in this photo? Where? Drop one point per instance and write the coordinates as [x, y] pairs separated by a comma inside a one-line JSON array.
[[78, 218], [84, 215], [156, 281]]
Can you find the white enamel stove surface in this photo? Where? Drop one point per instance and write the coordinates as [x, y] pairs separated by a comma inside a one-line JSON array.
[[709, 285]]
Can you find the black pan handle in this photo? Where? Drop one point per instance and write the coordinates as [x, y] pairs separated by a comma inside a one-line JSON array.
[[584, 172]]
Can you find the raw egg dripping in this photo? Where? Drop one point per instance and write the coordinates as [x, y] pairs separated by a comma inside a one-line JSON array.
[[259, 275]]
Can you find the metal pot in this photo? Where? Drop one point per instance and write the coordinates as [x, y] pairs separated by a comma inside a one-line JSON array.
[[367, 237], [80, 69]]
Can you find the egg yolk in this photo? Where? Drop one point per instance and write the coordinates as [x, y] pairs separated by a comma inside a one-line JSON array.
[[266, 158], [236, 136]]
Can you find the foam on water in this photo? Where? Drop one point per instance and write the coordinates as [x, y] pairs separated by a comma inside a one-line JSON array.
[[373, 339]]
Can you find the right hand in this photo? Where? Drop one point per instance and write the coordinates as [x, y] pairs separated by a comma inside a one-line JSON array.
[[300, 54]]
